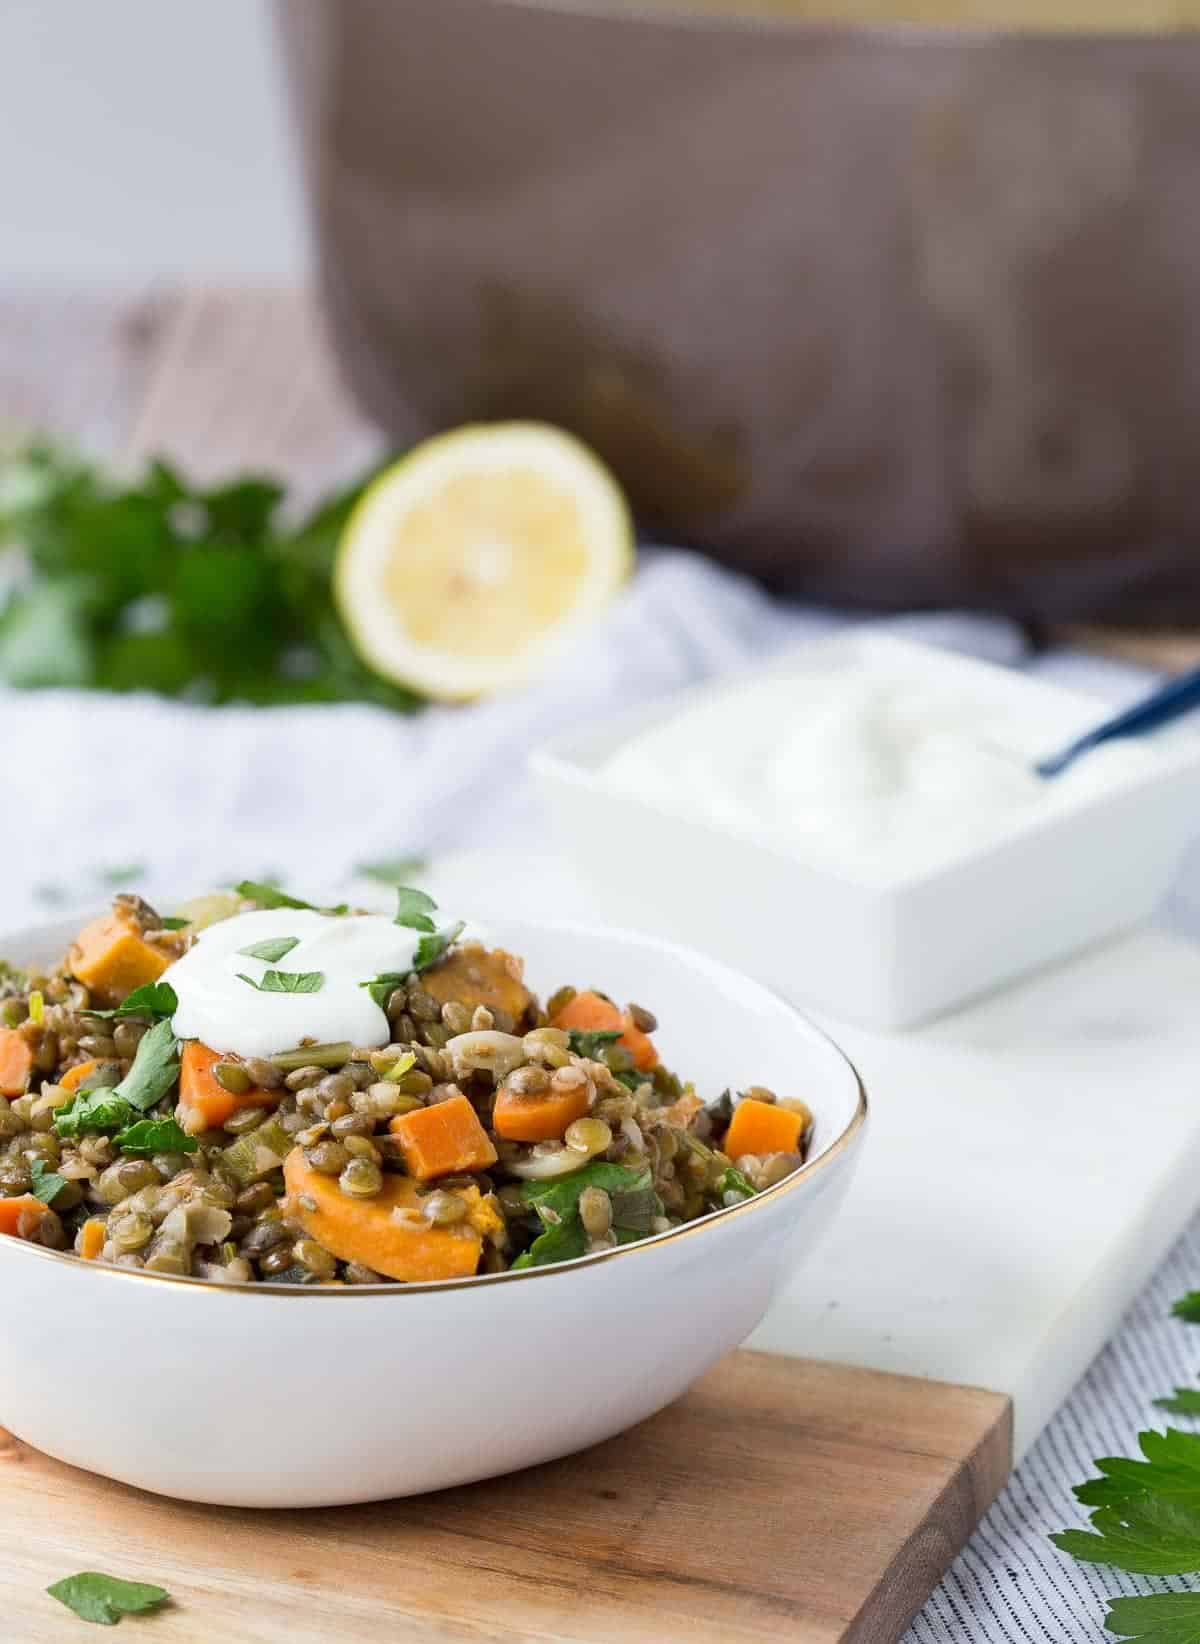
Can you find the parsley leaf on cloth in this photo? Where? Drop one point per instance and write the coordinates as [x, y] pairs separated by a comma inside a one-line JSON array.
[[1146, 1534], [1156, 1618], [104, 1598]]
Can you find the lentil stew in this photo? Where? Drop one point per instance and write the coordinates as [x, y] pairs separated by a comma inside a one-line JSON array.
[[491, 1130]]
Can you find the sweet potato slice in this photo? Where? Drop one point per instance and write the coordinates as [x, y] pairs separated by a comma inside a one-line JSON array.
[[475, 976], [443, 1139], [110, 957], [386, 1233]]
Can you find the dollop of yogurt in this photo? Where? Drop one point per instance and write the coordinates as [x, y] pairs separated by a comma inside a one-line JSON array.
[[229, 1014]]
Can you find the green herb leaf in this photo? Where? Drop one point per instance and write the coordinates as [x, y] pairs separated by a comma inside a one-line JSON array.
[[155, 1069], [433, 945], [415, 908], [556, 1244], [1156, 1618], [152, 999], [164, 586], [104, 1598], [1171, 1469], [275, 947], [381, 987], [1185, 1401], [172, 923], [1148, 1535], [632, 1079], [591, 1042], [270, 896], [1188, 1308], [124, 873], [732, 1181], [287, 981], [93, 1112], [155, 1136], [46, 1186], [560, 1197], [396, 872]]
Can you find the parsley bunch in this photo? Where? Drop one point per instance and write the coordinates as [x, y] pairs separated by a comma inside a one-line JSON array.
[[162, 586], [1146, 1519]]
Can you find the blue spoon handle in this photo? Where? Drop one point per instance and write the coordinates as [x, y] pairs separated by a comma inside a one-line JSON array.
[[1168, 702]]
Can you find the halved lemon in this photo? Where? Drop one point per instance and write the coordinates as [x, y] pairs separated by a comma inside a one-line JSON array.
[[468, 563]]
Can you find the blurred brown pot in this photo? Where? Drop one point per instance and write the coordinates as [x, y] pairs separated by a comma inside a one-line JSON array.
[[883, 315]]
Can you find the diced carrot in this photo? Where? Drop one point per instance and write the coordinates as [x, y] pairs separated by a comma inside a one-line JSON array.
[[91, 1239], [760, 1127], [442, 1139], [16, 1062], [386, 1232], [110, 957], [204, 1103], [74, 1076], [13, 1210], [592, 1013], [538, 1118]]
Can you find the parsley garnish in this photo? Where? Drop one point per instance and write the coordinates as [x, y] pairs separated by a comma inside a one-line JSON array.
[[104, 1598], [46, 1185], [270, 896], [433, 945], [172, 923], [155, 1136], [591, 1043], [634, 1206], [396, 872], [275, 947], [415, 908], [1187, 1308], [287, 981], [155, 1069], [153, 999]]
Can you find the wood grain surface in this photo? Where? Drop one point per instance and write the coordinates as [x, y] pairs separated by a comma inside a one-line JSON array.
[[779, 1499]]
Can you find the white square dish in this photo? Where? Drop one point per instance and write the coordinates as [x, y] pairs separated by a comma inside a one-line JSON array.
[[885, 952]]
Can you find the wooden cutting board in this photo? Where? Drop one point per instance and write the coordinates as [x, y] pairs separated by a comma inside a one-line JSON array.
[[779, 1499]]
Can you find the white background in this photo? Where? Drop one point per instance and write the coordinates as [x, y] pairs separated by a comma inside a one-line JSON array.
[[144, 137]]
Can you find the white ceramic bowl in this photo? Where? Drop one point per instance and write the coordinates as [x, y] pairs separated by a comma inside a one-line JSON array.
[[884, 954], [267, 1396]]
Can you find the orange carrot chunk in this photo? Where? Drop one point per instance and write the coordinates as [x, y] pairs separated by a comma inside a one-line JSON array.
[[592, 1013], [387, 1232], [74, 1076], [204, 1103], [475, 976], [14, 1212], [91, 1239], [16, 1062], [760, 1127], [110, 957], [442, 1139], [543, 1117]]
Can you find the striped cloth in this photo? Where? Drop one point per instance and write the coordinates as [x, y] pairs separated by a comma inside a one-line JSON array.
[[194, 797], [1011, 1585]]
